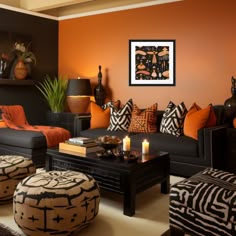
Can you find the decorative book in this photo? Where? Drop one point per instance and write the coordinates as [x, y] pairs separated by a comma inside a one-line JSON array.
[[92, 144], [78, 148], [81, 140]]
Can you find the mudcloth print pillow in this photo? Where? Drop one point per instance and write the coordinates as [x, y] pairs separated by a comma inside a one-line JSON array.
[[120, 119], [173, 119], [143, 121]]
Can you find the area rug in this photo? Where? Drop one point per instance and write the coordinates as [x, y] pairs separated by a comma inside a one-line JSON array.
[[151, 216], [6, 231]]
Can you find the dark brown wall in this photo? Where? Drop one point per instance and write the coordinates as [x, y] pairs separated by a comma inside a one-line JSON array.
[[44, 33]]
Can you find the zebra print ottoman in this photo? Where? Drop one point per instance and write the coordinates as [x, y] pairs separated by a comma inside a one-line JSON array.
[[205, 204], [12, 170], [55, 203]]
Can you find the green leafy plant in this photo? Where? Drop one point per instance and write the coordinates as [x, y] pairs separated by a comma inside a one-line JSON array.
[[54, 91]]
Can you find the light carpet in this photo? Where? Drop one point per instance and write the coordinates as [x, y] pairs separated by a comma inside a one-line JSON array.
[[151, 217]]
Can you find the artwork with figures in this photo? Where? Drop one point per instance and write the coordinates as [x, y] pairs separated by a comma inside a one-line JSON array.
[[152, 62], [8, 41]]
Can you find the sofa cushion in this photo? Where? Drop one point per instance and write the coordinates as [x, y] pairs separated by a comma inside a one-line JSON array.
[[120, 119], [182, 145], [143, 121], [100, 115], [94, 133], [196, 119], [22, 138], [173, 119], [100, 118]]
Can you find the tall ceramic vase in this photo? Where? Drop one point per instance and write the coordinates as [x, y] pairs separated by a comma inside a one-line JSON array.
[[230, 104], [20, 70]]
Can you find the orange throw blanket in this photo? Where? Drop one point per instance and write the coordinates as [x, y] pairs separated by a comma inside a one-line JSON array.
[[14, 117]]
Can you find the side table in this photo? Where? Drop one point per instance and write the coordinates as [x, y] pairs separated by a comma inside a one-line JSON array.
[[230, 150], [69, 121]]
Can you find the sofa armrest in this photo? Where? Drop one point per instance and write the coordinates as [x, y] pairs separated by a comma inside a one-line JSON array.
[[214, 145], [81, 123]]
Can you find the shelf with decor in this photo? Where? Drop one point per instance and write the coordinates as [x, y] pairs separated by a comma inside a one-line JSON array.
[[13, 82]]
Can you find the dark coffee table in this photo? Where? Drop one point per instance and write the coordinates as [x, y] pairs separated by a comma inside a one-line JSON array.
[[113, 174]]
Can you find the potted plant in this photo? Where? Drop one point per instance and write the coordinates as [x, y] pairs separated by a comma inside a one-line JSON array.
[[54, 91]]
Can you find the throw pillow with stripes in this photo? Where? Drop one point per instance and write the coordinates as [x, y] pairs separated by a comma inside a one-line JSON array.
[[173, 119], [120, 119]]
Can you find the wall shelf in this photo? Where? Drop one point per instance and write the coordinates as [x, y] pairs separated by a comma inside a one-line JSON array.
[[12, 82]]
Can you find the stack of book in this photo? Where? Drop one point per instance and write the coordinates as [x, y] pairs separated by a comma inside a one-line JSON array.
[[81, 145]]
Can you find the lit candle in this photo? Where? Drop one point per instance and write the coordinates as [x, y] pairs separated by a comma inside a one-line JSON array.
[[126, 144], [145, 147]]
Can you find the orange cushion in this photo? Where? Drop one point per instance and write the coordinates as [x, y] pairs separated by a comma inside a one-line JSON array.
[[2, 124], [143, 121], [212, 118], [196, 119], [234, 122], [100, 118]]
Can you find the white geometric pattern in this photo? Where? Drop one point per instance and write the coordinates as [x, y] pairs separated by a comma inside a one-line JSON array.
[[173, 119], [120, 119], [204, 204]]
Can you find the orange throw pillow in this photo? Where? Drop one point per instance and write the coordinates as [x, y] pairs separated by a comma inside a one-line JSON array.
[[100, 118], [196, 119], [234, 122], [143, 121], [2, 124]]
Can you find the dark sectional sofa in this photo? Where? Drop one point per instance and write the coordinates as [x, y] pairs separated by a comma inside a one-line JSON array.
[[29, 144], [187, 155]]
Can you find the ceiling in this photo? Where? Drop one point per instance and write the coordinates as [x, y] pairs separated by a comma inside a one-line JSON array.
[[62, 9]]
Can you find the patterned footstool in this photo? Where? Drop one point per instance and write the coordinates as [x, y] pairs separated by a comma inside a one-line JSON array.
[[205, 204], [12, 170], [55, 203]]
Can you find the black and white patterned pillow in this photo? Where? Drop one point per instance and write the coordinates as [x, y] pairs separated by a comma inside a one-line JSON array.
[[120, 119], [110, 104], [173, 119]]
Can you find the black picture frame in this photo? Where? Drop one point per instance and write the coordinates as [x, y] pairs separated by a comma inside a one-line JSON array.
[[152, 62]]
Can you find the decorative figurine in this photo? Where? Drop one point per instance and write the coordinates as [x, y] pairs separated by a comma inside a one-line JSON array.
[[99, 91]]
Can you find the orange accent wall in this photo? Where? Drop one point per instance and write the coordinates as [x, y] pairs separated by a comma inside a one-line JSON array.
[[205, 35]]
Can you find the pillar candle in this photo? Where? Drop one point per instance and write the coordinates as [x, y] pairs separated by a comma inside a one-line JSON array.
[[145, 147], [126, 144]]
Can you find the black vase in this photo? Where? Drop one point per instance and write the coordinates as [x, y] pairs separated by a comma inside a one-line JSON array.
[[230, 107], [99, 91]]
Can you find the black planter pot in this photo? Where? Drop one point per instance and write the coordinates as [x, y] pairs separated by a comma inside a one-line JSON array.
[[61, 119]]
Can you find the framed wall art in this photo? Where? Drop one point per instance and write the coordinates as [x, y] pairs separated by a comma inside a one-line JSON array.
[[152, 62]]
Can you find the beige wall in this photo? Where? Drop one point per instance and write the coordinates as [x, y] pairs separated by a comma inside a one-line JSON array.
[[205, 35]]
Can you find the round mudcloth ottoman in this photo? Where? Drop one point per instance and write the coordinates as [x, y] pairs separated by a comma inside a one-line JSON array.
[[12, 170], [55, 203]]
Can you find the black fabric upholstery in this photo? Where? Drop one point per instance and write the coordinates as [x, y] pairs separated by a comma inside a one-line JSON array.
[[187, 156], [22, 138], [182, 145], [94, 133], [25, 143]]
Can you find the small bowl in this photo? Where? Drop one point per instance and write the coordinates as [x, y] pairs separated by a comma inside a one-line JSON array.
[[108, 146]]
